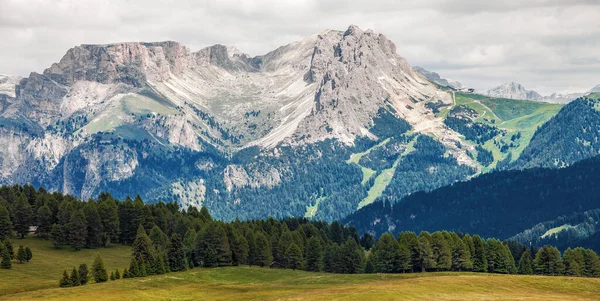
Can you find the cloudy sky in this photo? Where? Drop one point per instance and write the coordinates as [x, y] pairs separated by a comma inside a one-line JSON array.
[[547, 45]]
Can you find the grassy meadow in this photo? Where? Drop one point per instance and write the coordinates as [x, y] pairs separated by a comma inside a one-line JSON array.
[[38, 280]]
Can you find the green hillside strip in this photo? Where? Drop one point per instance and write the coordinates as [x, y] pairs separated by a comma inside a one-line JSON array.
[[312, 210], [384, 178], [355, 158]]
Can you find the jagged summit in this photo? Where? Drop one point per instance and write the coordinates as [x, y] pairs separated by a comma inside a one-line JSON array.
[[514, 90], [168, 99]]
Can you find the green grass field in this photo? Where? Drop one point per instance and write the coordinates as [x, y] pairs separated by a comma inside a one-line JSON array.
[[48, 263], [38, 280]]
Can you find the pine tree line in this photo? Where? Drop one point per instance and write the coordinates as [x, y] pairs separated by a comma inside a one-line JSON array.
[[165, 238]]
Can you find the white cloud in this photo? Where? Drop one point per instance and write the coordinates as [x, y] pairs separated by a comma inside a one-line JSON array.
[[547, 45]]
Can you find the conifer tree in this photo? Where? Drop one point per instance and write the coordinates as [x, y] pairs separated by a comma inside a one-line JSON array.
[[386, 254], [263, 250], [331, 259], [351, 257], [176, 254], [65, 281], [21, 255], [95, 233], [548, 261], [83, 274], [117, 274], [285, 240], [159, 239], [28, 254], [9, 246], [525, 264], [77, 229], [112, 276], [591, 264], [314, 255], [293, 257], [134, 268], [44, 221], [480, 263], [369, 267], [109, 217], [411, 242], [426, 259], [75, 277], [143, 250], [22, 216], [189, 245], [5, 224], [213, 246], [56, 234], [5, 257], [125, 273], [239, 249], [98, 271], [367, 241], [441, 251]]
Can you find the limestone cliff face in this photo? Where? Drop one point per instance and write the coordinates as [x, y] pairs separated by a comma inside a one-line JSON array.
[[156, 101]]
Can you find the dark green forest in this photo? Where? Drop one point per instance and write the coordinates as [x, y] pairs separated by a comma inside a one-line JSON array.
[[164, 238], [498, 204], [571, 135]]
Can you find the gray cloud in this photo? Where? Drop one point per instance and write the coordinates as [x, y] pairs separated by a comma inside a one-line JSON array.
[[547, 45]]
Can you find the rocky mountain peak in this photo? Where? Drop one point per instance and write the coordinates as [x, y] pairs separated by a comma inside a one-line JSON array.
[[514, 90]]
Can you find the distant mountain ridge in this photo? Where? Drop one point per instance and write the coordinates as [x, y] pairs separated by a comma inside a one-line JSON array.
[[513, 90], [436, 78]]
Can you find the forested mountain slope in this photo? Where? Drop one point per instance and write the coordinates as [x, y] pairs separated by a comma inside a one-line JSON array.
[[572, 135], [499, 204]]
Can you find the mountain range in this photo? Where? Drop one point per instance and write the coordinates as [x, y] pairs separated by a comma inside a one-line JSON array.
[[513, 90], [318, 128]]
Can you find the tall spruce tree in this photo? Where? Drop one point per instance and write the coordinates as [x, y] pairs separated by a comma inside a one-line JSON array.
[[314, 255], [78, 230], [426, 259], [21, 255], [5, 257], [525, 264], [109, 216], [176, 254], [386, 254], [441, 251], [98, 271], [22, 216], [213, 246], [44, 221], [28, 254], [5, 223], [75, 277], [480, 263], [143, 251], [56, 234], [351, 257], [160, 240], [65, 281], [95, 233], [411, 242], [293, 257], [548, 262], [83, 273], [263, 254]]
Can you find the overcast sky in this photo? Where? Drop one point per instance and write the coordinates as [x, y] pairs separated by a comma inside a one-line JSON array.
[[545, 45]]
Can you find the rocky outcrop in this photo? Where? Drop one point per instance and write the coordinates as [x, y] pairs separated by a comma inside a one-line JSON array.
[[514, 90], [436, 78]]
